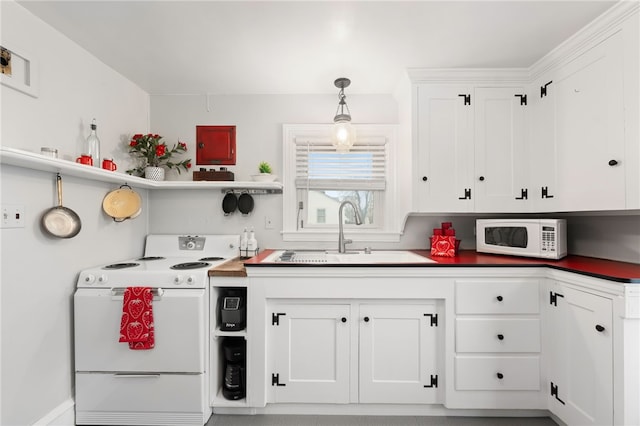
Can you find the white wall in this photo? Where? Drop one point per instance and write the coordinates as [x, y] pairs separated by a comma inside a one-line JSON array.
[[39, 273], [259, 122]]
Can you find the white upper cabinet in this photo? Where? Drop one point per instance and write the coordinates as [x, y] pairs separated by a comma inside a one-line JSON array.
[[542, 146], [574, 146], [469, 152], [443, 151], [501, 182], [589, 129]]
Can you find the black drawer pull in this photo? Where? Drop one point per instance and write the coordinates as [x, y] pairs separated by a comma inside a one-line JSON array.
[[599, 328], [500, 376], [424, 178], [499, 298], [343, 319], [366, 319], [613, 162], [500, 336]]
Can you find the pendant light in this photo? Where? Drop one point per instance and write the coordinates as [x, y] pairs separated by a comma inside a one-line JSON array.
[[343, 132]]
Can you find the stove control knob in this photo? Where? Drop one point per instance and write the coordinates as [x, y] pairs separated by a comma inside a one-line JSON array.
[[89, 279], [102, 279], [178, 279], [191, 245], [191, 280]]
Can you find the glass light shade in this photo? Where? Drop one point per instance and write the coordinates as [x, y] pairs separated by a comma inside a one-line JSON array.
[[344, 135]]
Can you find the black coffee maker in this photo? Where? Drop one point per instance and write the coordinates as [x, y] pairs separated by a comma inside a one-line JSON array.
[[232, 306], [234, 381]]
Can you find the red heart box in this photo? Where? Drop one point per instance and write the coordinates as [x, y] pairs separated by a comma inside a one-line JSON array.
[[443, 246]]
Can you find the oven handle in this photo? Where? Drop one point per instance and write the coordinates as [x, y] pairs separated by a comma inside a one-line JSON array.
[[136, 376], [119, 291]]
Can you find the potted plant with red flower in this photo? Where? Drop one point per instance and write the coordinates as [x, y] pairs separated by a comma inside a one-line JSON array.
[[153, 154]]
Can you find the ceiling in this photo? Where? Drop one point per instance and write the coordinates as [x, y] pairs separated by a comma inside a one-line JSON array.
[[301, 47]]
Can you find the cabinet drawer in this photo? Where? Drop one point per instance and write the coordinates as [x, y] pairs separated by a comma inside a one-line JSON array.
[[497, 373], [497, 335], [497, 297]]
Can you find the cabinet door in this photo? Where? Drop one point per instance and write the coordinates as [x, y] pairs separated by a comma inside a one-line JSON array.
[[500, 158], [590, 129], [443, 159], [398, 354], [310, 351], [216, 145], [543, 188], [580, 357]]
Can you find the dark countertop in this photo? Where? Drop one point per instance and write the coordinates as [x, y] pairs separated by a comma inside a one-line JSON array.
[[623, 272]]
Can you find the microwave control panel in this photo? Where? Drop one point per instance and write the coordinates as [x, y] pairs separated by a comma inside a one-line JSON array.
[[548, 239]]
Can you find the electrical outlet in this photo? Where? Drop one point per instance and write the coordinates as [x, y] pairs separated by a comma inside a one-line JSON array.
[[268, 223], [12, 216]]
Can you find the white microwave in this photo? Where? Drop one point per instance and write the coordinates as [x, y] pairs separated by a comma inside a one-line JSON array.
[[546, 238]]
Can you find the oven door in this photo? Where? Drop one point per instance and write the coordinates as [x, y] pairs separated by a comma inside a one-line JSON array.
[[180, 322]]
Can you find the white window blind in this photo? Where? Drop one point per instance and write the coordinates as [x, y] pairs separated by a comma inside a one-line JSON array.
[[319, 166]]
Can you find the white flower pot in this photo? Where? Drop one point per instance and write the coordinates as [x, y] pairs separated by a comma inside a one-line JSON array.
[[264, 177], [154, 173]]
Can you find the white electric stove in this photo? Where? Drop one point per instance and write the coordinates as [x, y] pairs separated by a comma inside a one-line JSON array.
[[165, 385]]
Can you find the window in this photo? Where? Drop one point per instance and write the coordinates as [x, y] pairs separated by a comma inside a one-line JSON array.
[[317, 179]]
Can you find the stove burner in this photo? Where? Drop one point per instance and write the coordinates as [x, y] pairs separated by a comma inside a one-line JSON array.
[[121, 265], [212, 258], [151, 258], [190, 265]]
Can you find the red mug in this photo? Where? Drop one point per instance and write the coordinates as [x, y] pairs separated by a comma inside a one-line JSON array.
[[108, 165], [85, 159]]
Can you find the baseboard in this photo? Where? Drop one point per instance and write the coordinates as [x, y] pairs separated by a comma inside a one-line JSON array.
[[62, 415]]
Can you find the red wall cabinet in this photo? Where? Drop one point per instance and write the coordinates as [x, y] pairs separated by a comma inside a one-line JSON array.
[[215, 145]]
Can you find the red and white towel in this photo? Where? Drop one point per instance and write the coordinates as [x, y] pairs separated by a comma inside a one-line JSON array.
[[136, 325]]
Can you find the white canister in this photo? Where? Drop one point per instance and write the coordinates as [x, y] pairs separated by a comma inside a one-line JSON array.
[[49, 152]]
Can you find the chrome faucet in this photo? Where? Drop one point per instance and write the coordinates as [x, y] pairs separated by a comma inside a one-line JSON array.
[[341, 241]]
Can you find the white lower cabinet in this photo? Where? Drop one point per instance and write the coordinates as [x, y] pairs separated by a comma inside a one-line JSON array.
[[338, 352], [310, 349], [579, 330], [398, 353], [478, 339], [497, 344]]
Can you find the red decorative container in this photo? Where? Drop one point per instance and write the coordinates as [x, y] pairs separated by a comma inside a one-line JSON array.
[[445, 246]]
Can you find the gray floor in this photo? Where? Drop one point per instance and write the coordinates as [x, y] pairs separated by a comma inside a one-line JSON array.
[[273, 420]]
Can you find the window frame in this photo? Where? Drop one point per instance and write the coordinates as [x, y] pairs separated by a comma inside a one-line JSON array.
[[387, 231]]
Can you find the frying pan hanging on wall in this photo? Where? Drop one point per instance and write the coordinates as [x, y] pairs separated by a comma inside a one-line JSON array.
[[245, 203], [229, 203]]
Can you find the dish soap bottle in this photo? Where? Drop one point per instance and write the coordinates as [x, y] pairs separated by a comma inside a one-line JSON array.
[[244, 242], [252, 245], [92, 145]]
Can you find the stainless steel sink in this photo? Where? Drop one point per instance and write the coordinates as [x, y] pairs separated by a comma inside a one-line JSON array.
[[351, 257]]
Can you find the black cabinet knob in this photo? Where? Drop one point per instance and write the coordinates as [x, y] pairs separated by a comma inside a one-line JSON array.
[[343, 319], [500, 376], [481, 178], [613, 162], [366, 319], [499, 298], [500, 336], [424, 178], [599, 328]]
